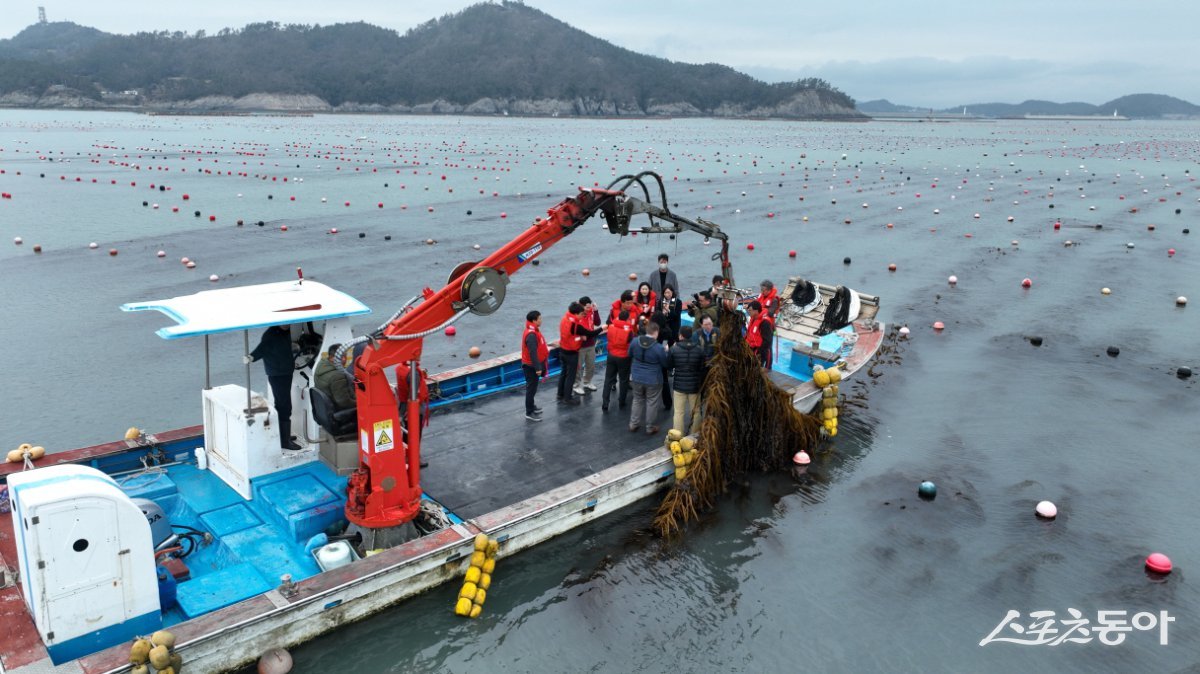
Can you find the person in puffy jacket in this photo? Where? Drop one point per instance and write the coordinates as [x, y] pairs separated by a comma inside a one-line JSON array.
[[275, 351], [686, 362], [649, 358]]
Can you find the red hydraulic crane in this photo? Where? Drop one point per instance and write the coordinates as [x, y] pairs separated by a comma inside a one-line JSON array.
[[385, 490]]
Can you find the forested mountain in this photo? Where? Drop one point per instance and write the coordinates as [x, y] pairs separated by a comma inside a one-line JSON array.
[[490, 58]]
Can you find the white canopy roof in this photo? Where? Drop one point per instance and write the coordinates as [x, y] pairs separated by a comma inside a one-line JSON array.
[[258, 306]]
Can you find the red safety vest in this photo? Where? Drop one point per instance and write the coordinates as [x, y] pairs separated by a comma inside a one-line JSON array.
[[568, 341], [543, 350], [620, 334], [770, 301], [754, 330], [645, 308]]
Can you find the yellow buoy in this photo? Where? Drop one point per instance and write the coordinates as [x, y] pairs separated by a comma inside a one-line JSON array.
[[833, 431], [139, 653], [687, 444], [160, 657], [676, 447], [489, 565], [485, 580], [133, 433], [480, 596], [37, 452], [835, 375], [829, 413], [821, 378], [463, 606], [476, 609], [468, 590], [140, 669], [176, 661], [16, 456], [481, 542], [680, 473], [828, 392], [828, 402], [163, 638], [473, 574], [493, 547], [674, 434], [679, 460], [477, 558]]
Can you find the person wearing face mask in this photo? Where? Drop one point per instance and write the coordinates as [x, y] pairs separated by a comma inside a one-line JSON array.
[[663, 276]]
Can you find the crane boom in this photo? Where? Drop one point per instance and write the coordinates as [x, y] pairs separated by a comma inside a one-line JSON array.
[[385, 490]]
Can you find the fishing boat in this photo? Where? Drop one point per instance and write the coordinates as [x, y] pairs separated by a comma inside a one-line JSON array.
[[238, 545]]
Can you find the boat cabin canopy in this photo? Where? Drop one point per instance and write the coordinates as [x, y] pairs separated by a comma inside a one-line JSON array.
[[230, 309]]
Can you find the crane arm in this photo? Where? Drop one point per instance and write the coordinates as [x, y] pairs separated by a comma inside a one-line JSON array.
[[385, 490]]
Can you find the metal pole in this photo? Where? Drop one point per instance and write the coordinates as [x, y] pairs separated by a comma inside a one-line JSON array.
[[246, 346], [207, 372]]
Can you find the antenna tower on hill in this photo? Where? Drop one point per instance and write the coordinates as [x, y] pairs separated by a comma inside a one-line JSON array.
[[41, 15]]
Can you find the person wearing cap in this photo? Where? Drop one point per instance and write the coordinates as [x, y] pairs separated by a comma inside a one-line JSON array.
[[587, 350], [662, 277]]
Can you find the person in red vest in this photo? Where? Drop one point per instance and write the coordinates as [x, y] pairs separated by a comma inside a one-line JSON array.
[[616, 371], [644, 302], [768, 297], [571, 334], [760, 333], [624, 303], [587, 352], [535, 362]]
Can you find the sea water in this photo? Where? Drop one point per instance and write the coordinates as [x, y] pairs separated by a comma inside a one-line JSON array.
[[838, 568]]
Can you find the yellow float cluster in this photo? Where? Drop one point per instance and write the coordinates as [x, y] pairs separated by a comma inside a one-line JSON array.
[[18, 455], [479, 577], [155, 653], [827, 380], [683, 452]]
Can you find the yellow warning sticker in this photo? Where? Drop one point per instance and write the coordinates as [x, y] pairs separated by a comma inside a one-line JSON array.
[[384, 438]]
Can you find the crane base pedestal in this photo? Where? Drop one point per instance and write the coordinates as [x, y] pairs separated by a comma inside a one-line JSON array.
[[384, 537]]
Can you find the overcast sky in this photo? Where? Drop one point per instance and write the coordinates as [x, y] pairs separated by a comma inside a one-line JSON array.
[[927, 53]]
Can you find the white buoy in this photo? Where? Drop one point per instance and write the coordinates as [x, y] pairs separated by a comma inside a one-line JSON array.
[[275, 661], [93, 245], [1105, 291], [214, 278], [801, 458], [162, 253], [18, 240], [1047, 510], [953, 279], [904, 331], [1129, 245], [1180, 301]]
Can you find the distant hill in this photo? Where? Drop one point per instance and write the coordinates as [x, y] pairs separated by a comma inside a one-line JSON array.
[[883, 105], [1142, 106], [493, 58]]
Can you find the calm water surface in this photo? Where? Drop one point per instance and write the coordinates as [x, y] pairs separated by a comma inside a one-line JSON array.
[[842, 568]]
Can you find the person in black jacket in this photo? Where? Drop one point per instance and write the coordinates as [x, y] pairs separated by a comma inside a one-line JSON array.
[[686, 359], [275, 351]]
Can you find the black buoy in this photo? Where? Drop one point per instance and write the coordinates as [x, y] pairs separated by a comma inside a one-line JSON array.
[[1177, 211], [270, 196], [362, 235], [468, 212], [536, 262], [387, 237], [1051, 205], [1035, 340], [240, 223], [147, 203], [845, 260], [1183, 372], [1186, 230], [162, 188], [197, 214], [1113, 351], [260, 223]]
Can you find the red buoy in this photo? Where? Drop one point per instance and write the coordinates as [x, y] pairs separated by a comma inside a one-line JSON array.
[[112, 252], [1026, 283], [791, 253], [1159, 563], [451, 331], [749, 246]]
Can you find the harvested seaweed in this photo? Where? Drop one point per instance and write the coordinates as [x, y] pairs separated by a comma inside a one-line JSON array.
[[749, 424]]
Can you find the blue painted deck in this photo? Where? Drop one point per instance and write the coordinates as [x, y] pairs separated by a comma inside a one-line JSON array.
[[256, 541]]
